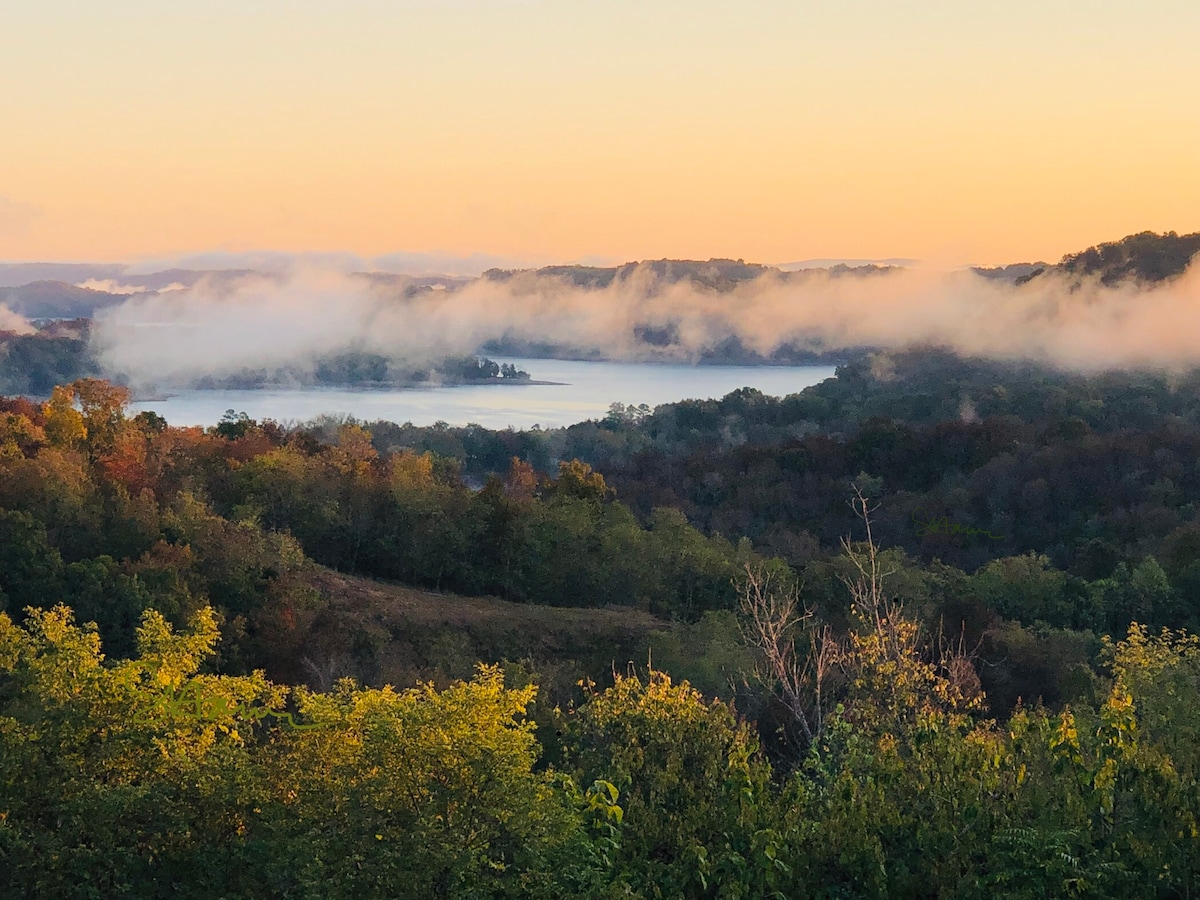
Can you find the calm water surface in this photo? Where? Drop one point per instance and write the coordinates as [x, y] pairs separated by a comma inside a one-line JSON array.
[[585, 392]]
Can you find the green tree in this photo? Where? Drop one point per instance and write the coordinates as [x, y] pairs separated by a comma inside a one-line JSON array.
[[693, 787]]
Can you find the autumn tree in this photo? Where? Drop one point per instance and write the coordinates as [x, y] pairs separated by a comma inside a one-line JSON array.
[[102, 406], [64, 423]]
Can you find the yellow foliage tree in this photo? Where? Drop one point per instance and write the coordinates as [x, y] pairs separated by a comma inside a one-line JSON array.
[[64, 423], [411, 471], [19, 435]]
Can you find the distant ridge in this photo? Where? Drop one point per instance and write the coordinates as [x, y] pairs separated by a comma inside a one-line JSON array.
[[22, 273], [71, 290], [848, 263], [57, 300]]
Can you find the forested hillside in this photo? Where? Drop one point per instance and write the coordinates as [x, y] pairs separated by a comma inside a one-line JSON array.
[[1145, 257], [919, 625], [978, 465], [33, 364]]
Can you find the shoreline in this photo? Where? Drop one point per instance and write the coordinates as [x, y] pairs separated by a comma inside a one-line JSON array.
[[365, 387]]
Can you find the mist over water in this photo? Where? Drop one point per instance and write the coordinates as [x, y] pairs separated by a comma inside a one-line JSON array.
[[586, 390], [267, 321]]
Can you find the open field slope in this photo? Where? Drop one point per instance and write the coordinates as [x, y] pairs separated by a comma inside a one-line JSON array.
[[389, 633]]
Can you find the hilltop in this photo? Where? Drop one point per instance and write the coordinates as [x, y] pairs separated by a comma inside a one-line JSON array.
[[1145, 257], [1142, 258]]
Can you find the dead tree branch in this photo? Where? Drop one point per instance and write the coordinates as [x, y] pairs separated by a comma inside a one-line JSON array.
[[771, 619]]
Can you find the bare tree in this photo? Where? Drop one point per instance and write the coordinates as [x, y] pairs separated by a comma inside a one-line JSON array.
[[890, 635], [807, 666], [883, 616], [771, 620], [866, 587], [324, 673]]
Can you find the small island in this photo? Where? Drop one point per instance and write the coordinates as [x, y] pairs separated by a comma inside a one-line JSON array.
[[371, 370]]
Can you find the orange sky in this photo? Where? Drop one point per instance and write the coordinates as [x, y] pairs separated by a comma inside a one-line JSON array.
[[544, 130]]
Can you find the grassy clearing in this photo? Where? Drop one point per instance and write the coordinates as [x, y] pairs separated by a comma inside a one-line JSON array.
[[384, 633]]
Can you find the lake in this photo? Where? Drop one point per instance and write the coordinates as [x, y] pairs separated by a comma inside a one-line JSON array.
[[585, 391]]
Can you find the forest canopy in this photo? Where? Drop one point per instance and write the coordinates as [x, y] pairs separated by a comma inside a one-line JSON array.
[[926, 627]]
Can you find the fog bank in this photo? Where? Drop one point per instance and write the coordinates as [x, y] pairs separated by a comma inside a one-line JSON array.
[[288, 319]]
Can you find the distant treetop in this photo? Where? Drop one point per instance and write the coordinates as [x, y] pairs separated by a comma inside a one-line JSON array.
[[1146, 256]]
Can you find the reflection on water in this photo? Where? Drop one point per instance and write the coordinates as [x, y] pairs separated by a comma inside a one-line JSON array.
[[585, 392]]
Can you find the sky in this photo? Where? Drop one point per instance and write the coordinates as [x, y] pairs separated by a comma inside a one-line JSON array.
[[538, 131]]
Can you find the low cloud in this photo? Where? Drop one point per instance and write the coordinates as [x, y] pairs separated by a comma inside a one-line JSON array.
[[112, 286], [14, 322], [221, 327]]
